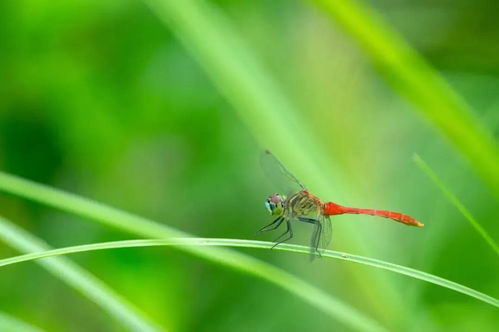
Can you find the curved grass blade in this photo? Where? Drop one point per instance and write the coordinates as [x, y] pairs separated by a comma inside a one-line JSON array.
[[78, 278], [413, 273], [259, 101], [415, 79], [12, 324], [456, 202], [87, 208]]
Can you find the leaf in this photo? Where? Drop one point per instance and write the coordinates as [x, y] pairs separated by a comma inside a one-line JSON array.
[[415, 79], [456, 202], [78, 278], [413, 273], [335, 308]]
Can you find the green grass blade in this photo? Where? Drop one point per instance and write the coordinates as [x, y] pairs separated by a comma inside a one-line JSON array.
[[415, 79], [236, 72], [413, 273], [333, 307], [78, 278], [13, 324], [234, 68], [456, 202]]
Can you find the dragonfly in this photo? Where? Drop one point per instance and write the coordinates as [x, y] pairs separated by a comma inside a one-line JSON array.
[[296, 203]]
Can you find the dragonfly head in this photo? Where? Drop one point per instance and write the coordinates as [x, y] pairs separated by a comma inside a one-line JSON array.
[[275, 204]]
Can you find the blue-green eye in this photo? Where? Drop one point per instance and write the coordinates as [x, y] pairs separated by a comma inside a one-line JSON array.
[[269, 205]]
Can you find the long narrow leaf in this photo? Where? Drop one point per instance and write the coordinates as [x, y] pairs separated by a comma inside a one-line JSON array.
[[415, 79], [148, 228], [12, 324], [78, 278], [456, 202], [261, 245], [234, 68], [230, 63]]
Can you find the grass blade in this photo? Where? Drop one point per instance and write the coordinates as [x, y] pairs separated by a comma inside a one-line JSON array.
[[413, 273], [333, 307], [415, 79], [13, 324], [231, 64], [78, 278], [456, 202], [212, 40]]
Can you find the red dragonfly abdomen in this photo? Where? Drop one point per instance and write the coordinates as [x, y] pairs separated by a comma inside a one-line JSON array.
[[331, 209]]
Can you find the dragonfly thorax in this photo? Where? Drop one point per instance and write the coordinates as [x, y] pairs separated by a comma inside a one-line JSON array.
[[275, 204], [303, 204]]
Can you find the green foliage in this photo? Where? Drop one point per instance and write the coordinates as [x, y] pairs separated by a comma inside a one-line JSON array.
[[144, 227], [78, 278], [166, 118], [261, 245], [416, 80], [257, 99], [456, 202], [12, 324]]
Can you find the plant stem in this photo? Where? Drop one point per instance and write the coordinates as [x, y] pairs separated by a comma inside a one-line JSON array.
[[203, 242], [412, 76], [456, 202], [78, 278], [107, 215]]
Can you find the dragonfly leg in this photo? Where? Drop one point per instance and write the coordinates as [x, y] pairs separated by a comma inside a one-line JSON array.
[[273, 225], [316, 236], [289, 232]]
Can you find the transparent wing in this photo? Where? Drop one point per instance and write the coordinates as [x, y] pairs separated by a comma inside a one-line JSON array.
[[284, 181], [326, 233]]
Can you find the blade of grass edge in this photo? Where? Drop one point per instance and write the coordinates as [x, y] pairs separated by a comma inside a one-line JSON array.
[[456, 202], [415, 79], [78, 278], [410, 272], [333, 307], [9, 323]]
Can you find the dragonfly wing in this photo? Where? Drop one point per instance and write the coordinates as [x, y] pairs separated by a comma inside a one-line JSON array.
[[284, 181], [326, 234]]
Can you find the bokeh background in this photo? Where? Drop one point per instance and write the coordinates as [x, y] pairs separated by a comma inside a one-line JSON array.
[[100, 98]]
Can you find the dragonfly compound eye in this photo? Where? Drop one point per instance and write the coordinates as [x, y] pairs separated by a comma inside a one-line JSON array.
[[270, 205], [276, 198]]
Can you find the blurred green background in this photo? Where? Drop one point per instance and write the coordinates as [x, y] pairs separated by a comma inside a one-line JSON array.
[[101, 99]]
